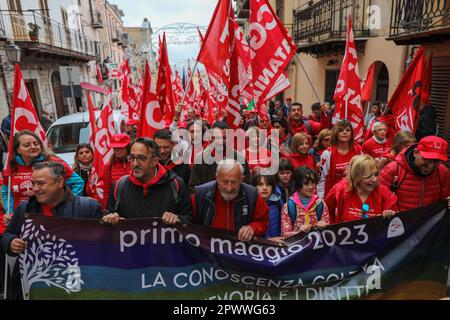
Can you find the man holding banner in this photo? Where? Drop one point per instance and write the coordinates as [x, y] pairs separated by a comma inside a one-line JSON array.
[[51, 198], [149, 191]]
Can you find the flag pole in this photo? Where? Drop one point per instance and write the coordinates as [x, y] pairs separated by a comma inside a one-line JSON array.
[[307, 77], [189, 83], [5, 286]]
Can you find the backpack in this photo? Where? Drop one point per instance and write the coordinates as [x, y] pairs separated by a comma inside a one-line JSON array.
[[397, 181], [292, 210], [308, 127], [118, 188]]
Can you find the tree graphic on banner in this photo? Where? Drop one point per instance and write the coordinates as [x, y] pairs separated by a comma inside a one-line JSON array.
[[48, 260]]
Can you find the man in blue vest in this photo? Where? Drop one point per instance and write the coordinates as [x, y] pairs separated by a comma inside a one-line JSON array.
[[229, 203]]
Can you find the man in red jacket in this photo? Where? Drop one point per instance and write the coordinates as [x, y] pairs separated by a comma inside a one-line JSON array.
[[418, 175], [231, 204], [298, 123]]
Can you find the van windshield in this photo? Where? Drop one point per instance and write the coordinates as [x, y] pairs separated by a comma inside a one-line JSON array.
[[65, 138]]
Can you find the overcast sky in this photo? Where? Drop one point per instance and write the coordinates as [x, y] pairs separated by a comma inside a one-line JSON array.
[[164, 12]]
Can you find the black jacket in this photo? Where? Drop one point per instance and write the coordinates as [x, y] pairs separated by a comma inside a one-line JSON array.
[[71, 207], [164, 195]]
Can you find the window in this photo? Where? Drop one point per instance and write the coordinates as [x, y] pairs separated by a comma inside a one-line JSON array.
[[331, 78], [65, 138]]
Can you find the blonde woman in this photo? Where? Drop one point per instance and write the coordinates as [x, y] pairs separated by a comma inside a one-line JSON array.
[[359, 195]]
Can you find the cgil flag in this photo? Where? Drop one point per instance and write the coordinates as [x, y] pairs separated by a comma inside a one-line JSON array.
[[151, 117], [164, 84], [271, 50], [406, 99], [23, 116], [348, 89]]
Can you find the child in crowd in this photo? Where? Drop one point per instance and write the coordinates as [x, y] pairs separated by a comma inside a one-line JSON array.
[[304, 209], [286, 179], [267, 188], [299, 152]]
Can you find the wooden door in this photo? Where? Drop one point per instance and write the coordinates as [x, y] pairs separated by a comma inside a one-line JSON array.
[[18, 24]]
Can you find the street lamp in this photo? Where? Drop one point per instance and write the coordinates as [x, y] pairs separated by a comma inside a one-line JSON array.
[[13, 52]]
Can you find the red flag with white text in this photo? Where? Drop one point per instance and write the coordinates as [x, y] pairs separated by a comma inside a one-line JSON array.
[[406, 99], [271, 50], [151, 117], [216, 46], [97, 185], [348, 89], [23, 116]]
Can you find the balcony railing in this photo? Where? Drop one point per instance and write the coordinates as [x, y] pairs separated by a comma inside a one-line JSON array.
[[97, 22], [416, 16], [326, 21], [50, 32]]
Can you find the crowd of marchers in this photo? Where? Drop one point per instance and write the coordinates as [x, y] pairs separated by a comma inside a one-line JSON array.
[[325, 176]]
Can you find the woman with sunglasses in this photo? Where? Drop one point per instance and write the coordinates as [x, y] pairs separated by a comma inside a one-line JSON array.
[[359, 195]]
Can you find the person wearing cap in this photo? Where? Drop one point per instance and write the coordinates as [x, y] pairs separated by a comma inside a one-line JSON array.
[[418, 175], [120, 166], [132, 129], [287, 106]]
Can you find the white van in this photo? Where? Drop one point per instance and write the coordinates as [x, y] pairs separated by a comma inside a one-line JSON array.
[[67, 132]]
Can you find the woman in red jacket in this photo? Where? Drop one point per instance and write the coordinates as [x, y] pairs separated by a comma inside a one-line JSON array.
[[359, 195], [335, 160], [299, 152], [377, 145]]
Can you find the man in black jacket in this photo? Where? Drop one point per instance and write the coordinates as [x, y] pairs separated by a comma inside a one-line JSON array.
[[150, 190], [51, 198]]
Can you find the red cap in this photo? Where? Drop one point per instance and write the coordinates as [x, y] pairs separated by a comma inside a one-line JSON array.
[[433, 147], [120, 140], [132, 122]]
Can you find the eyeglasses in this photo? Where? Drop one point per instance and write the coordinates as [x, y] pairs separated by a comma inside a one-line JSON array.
[[140, 159]]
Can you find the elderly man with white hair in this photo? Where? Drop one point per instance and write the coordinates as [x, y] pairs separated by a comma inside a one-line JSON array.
[[378, 144], [229, 203]]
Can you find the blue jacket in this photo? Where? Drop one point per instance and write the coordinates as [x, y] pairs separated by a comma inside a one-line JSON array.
[[75, 184], [275, 205]]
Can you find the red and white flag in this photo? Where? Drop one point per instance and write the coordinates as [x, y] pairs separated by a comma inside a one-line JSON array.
[[177, 87], [348, 89], [23, 116], [271, 50], [426, 89], [151, 117], [406, 99], [367, 84], [215, 52], [97, 185]]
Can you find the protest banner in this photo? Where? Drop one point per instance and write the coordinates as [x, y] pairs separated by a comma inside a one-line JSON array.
[[402, 258]]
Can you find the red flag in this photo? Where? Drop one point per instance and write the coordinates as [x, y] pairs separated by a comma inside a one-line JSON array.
[[348, 89], [367, 84], [426, 88], [164, 84], [215, 51], [92, 119], [177, 87], [244, 63], [23, 115], [99, 74], [405, 101], [151, 117], [271, 50], [97, 185]]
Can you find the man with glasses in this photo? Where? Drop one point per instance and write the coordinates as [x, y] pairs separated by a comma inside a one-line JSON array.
[[149, 191], [418, 175]]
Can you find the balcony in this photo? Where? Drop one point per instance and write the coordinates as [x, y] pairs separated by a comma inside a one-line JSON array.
[[419, 21], [97, 22], [115, 36], [321, 28], [52, 39], [119, 38], [242, 9]]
